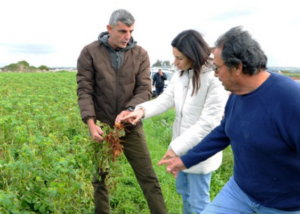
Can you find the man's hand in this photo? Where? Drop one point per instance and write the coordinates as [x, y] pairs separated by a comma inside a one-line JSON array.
[[133, 117], [95, 131], [174, 165]]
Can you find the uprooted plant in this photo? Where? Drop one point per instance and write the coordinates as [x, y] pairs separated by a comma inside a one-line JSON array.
[[106, 152]]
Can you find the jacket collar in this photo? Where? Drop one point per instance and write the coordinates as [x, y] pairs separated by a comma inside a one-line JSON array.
[[103, 38]]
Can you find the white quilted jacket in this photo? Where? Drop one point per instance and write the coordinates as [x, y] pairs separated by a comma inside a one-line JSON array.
[[195, 115]]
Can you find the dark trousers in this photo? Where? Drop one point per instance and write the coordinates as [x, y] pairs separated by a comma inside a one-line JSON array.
[[159, 90], [137, 154]]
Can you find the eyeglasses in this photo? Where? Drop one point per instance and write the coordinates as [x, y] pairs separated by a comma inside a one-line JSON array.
[[216, 68]]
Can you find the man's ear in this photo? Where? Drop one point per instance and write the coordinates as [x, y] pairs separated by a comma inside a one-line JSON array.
[[239, 69], [109, 28]]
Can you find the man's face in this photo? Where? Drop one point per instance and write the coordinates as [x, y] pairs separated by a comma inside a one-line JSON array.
[[225, 75], [119, 35]]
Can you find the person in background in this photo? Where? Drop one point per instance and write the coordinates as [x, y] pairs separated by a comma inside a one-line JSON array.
[[159, 82], [261, 124], [113, 77], [199, 100]]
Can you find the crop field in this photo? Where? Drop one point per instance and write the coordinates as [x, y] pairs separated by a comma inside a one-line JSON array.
[[295, 76], [46, 157]]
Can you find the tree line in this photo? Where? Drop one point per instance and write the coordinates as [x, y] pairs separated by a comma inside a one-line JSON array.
[[160, 63], [23, 66]]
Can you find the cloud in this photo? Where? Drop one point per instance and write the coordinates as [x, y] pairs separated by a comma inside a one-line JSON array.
[[29, 48], [233, 15], [54, 32]]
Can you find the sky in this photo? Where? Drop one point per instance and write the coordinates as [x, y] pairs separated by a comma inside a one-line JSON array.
[[53, 32]]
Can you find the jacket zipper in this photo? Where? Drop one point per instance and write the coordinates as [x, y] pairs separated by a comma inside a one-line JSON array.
[[188, 84], [117, 83]]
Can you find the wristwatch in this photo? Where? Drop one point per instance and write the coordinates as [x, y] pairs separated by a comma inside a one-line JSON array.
[[129, 108]]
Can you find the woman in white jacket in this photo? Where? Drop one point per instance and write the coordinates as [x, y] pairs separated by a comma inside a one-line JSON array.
[[199, 100]]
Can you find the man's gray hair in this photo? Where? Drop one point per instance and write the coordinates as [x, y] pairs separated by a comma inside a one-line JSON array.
[[238, 47], [123, 16]]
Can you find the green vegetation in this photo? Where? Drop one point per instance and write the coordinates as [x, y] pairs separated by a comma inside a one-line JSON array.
[[160, 63], [23, 66], [291, 74], [45, 157]]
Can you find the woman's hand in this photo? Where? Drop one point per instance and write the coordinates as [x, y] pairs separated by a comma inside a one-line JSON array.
[[169, 154], [133, 117], [174, 165]]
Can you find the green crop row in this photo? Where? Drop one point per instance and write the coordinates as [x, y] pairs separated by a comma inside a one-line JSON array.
[[46, 157]]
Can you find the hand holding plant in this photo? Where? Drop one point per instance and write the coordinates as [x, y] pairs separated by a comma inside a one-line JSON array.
[[105, 153]]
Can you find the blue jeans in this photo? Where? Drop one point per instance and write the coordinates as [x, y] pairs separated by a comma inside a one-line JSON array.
[[232, 200], [194, 189]]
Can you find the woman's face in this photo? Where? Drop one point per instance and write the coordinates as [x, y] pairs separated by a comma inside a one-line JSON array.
[[181, 61]]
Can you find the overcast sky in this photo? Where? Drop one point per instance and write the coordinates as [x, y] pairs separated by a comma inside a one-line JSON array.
[[53, 32]]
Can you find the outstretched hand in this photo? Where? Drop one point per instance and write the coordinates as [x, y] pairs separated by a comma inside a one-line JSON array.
[[174, 165], [133, 117], [169, 154], [122, 115]]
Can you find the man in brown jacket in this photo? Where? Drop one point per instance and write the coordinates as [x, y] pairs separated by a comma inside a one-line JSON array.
[[113, 77]]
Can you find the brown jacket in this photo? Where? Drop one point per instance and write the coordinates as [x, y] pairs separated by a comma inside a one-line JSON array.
[[109, 81]]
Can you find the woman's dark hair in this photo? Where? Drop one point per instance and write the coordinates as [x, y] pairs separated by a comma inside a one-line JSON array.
[[239, 47], [194, 47]]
